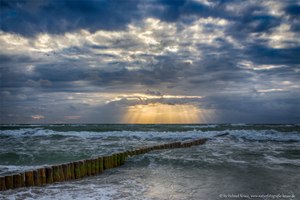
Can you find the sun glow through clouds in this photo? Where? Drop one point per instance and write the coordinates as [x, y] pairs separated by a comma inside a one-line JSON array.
[[157, 113]]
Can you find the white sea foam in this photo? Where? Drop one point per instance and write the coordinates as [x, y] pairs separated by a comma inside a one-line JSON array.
[[25, 146], [201, 126], [282, 160], [259, 135], [94, 188], [9, 169], [266, 135]]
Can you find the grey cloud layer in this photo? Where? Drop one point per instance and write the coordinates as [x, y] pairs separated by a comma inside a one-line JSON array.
[[243, 57]]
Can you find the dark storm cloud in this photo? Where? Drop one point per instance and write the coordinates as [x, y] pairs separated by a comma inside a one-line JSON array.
[[293, 10], [254, 108], [241, 56], [32, 17], [6, 60], [170, 10], [266, 55], [251, 22]]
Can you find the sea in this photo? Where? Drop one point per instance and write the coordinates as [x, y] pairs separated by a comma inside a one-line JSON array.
[[238, 161]]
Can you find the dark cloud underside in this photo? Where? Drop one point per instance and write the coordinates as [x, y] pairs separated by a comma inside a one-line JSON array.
[[68, 60]]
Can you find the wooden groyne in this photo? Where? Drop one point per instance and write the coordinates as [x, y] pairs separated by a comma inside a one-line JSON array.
[[82, 168]]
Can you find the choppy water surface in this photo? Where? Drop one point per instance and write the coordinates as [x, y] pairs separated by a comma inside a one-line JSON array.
[[249, 160]]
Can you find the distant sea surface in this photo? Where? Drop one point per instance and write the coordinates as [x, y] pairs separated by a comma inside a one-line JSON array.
[[248, 160]]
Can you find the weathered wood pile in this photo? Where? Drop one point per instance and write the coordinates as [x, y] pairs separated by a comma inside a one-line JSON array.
[[81, 168]]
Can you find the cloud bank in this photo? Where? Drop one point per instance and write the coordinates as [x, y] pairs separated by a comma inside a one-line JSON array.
[[87, 61]]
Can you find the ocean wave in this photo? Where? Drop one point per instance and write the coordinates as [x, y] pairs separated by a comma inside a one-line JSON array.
[[254, 135]]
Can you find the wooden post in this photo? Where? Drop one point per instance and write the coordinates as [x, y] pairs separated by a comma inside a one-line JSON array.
[[66, 171], [88, 167], [101, 167], [141, 150], [119, 159], [204, 140], [29, 181], [18, 180], [49, 175], [9, 183], [93, 167], [83, 168], [61, 173], [70, 172], [56, 174], [110, 161], [104, 162], [122, 158], [82, 165], [36, 178], [77, 170], [115, 160], [72, 166], [2, 184], [96, 166], [42, 172]]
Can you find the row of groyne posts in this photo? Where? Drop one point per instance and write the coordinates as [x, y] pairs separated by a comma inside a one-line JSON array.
[[82, 168]]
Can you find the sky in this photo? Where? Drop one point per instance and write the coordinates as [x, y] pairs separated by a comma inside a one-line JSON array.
[[149, 61]]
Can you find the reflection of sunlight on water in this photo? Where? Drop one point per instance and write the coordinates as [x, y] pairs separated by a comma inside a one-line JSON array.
[[157, 113], [165, 183], [184, 182]]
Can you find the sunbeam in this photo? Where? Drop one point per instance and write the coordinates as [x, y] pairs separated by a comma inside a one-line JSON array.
[[157, 113]]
